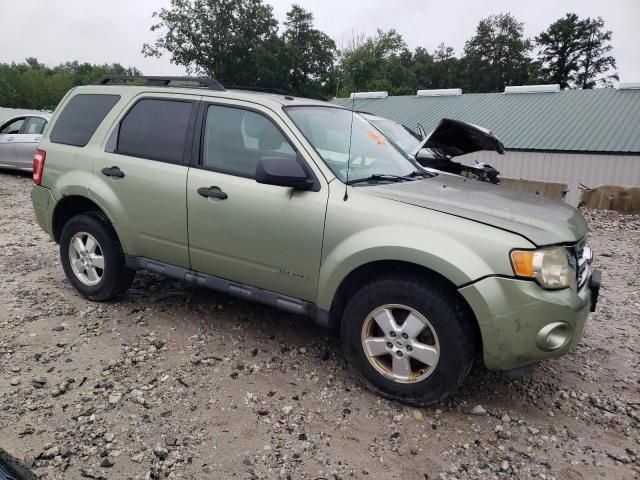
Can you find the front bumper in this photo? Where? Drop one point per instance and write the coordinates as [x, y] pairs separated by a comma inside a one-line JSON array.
[[43, 205], [515, 316]]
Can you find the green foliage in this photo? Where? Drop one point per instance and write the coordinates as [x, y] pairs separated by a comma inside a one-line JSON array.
[[309, 56], [595, 60], [574, 53], [445, 71], [237, 42], [497, 55], [382, 62], [32, 85], [234, 41], [560, 50]]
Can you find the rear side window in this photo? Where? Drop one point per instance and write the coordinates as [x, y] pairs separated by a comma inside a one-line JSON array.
[[81, 117], [35, 126], [155, 129]]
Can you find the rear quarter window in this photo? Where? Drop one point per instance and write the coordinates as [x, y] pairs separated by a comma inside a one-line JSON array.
[[81, 117]]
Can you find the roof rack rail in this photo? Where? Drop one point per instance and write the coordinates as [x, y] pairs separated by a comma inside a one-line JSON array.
[[185, 82], [277, 91]]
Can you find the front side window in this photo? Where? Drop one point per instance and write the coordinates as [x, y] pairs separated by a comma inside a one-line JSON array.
[[155, 129], [236, 139], [366, 150], [35, 126], [81, 117], [12, 127]]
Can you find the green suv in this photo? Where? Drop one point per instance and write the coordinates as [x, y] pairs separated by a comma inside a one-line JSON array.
[[305, 206]]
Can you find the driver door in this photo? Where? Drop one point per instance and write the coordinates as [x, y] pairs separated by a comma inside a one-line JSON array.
[[265, 236]]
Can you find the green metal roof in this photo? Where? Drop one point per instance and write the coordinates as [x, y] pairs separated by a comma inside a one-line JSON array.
[[601, 120]]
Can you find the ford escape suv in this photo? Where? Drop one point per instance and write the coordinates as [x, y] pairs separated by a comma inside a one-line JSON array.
[[305, 206]]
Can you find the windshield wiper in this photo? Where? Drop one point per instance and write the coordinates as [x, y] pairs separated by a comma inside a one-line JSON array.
[[383, 177], [423, 173]]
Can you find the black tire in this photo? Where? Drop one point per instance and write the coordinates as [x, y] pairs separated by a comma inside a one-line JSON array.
[[116, 277], [448, 319], [12, 469]]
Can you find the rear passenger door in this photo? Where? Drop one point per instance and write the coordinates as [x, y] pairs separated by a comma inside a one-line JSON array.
[[142, 175], [265, 236]]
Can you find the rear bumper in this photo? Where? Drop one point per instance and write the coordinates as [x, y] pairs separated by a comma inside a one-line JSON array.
[[521, 323], [43, 204]]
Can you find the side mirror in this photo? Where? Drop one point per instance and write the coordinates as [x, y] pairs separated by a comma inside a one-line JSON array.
[[285, 171]]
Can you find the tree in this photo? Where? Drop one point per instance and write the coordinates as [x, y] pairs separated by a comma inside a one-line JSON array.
[[446, 68], [233, 40], [382, 62], [561, 48], [497, 55], [573, 52], [310, 55], [594, 60], [423, 68], [33, 85]]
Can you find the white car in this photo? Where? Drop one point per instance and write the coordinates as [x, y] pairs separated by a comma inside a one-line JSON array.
[[19, 137]]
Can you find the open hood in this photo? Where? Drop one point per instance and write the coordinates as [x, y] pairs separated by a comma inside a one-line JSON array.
[[455, 138]]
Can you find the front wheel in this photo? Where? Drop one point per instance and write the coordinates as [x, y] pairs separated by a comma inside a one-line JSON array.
[[407, 340], [92, 257]]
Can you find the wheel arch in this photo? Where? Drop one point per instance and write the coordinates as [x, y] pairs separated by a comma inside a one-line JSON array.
[[71, 206], [375, 269]]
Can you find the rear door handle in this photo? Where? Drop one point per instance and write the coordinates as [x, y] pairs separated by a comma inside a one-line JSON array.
[[112, 172], [37, 139], [212, 192]]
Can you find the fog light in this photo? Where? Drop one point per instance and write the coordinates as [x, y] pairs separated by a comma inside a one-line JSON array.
[[553, 336]]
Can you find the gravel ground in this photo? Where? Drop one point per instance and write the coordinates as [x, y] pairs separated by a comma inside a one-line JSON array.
[[177, 382]]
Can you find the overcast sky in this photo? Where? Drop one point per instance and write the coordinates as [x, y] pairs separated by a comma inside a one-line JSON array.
[[107, 31]]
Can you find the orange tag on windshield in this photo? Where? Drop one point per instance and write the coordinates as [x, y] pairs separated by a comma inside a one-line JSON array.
[[376, 138]]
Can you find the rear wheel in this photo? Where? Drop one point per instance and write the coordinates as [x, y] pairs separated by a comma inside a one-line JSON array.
[[407, 340], [92, 257]]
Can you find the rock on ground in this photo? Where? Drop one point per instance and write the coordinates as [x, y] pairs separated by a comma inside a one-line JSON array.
[[171, 381]]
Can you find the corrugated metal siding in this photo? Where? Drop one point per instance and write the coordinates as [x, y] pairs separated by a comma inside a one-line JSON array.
[[602, 120], [573, 169]]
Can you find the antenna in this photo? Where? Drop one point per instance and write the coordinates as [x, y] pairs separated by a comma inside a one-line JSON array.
[[353, 112]]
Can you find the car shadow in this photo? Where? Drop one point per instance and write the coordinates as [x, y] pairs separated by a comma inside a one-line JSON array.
[[15, 173], [266, 323]]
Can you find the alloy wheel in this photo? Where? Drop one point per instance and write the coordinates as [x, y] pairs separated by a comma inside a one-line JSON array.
[[400, 343], [86, 258]]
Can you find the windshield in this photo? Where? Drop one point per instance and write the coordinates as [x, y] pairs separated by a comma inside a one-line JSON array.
[[397, 134], [328, 131]]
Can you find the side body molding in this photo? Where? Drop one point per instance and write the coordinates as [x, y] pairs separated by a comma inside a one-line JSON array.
[[235, 289]]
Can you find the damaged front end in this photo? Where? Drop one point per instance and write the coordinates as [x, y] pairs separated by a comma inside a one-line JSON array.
[[453, 138]]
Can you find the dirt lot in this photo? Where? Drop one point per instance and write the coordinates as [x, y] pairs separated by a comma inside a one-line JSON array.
[[177, 382]]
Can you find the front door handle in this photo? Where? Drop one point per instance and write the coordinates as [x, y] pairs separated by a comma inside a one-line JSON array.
[[212, 192], [37, 139], [112, 172]]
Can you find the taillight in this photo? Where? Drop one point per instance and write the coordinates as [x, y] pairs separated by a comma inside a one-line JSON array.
[[38, 166]]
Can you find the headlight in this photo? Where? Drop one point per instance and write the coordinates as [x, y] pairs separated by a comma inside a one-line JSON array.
[[548, 266]]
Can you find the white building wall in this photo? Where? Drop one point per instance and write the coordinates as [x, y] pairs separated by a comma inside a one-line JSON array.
[[573, 169]]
